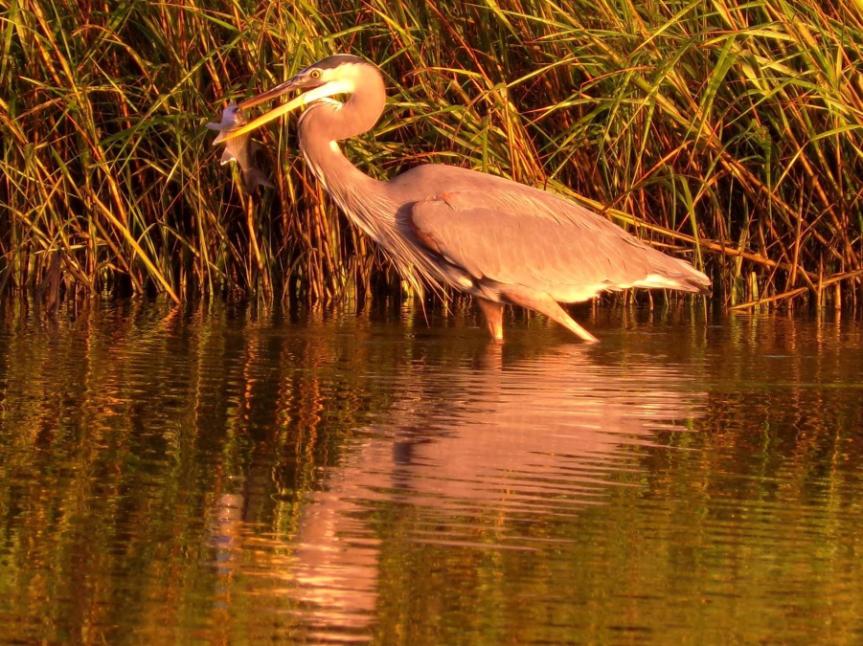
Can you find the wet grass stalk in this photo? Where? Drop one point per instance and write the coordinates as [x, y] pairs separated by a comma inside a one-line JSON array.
[[727, 132]]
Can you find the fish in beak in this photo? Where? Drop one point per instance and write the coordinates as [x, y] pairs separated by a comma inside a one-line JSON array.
[[240, 149], [306, 80]]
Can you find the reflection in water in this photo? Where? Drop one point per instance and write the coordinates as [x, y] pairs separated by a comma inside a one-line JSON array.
[[481, 453], [215, 476]]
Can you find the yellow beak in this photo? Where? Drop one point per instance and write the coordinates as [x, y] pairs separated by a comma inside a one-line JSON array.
[[326, 90]]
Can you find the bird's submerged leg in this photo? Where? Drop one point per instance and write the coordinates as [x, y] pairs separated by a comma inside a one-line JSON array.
[[545, 304], [493, 317]]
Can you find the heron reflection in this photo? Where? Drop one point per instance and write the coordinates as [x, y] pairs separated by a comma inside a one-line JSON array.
[[467, 454]]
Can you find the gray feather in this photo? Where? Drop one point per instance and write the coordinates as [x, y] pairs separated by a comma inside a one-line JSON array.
[[514, 234]]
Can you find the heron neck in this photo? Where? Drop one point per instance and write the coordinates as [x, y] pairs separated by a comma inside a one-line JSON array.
[[363, 199], [370, 204]]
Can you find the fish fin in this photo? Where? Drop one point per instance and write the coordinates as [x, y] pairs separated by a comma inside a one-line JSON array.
[[255, 177], [227, 157]]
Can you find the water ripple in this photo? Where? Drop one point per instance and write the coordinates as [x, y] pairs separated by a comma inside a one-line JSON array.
[[224, 477]]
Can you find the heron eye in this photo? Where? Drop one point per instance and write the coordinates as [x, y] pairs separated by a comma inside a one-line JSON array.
[[315, 74]]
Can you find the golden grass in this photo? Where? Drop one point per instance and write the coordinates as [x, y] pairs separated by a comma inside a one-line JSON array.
[[731, 131]]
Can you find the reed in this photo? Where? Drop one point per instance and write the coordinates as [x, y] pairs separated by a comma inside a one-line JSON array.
[[728, 131]]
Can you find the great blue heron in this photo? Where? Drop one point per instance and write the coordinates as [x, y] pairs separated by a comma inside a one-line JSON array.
[[497, 240]]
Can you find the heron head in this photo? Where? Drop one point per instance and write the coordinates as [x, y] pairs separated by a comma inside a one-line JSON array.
[[339, 74]]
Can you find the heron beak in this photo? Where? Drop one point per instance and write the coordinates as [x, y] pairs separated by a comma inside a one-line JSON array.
[[322, 91], [279, 90]]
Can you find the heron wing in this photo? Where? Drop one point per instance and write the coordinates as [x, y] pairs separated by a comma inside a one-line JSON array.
[[536, 240]]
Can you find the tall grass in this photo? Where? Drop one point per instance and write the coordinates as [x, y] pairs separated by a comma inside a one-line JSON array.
[[728, 130]]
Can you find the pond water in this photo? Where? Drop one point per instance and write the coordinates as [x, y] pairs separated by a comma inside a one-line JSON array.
[[218, 476]]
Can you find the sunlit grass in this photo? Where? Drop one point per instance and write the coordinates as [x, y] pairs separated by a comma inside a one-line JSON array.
[[729, 131]]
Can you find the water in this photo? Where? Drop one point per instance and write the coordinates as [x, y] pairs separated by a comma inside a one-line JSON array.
[[219, 477]]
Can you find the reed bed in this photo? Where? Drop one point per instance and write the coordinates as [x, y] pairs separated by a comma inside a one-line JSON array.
[[726, 132]]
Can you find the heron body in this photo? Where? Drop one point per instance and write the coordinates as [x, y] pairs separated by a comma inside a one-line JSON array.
[[500, 241]]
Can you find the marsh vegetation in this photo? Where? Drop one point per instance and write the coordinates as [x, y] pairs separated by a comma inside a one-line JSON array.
[[726, 132]]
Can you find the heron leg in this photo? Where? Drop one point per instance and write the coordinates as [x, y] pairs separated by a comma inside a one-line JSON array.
[[493, 317], [545, 304]]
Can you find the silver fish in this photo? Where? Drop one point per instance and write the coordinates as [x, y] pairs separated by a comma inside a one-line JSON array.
[[241, 149]]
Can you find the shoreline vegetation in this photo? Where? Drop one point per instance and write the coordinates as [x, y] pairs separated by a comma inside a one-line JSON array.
[[726, 133]]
